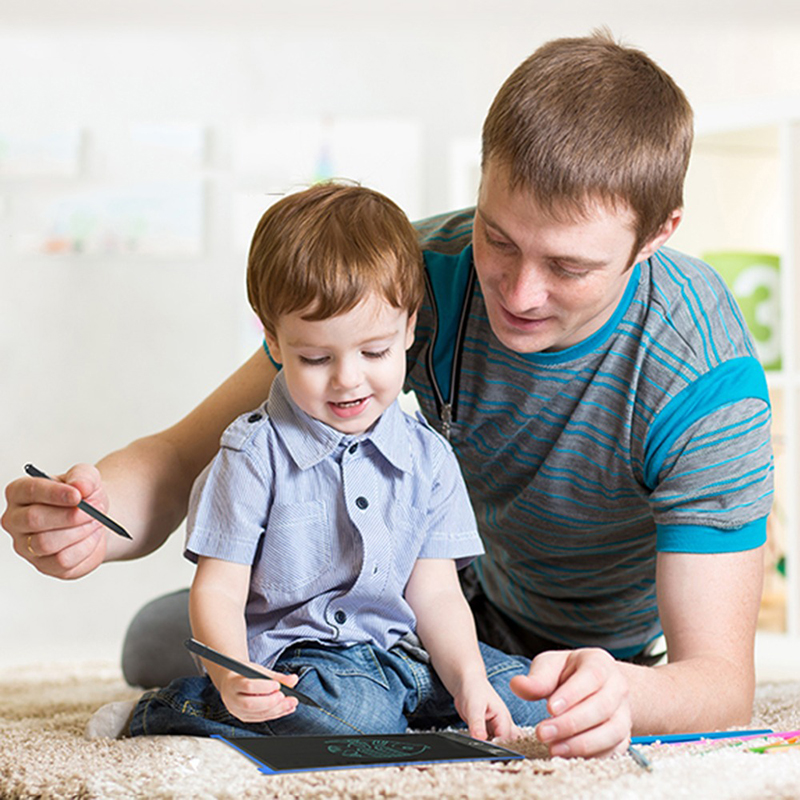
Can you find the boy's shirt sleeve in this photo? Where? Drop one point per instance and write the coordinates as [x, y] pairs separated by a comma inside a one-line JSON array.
[[230, 500], [452, 531]]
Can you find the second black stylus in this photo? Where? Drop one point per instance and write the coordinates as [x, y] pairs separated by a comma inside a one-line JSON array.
[[204, 651]]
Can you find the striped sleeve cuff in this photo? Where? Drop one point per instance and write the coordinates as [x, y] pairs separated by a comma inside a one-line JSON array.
[[704, 539]]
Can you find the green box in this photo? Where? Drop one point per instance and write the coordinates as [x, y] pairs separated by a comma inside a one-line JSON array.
[[754, 280]]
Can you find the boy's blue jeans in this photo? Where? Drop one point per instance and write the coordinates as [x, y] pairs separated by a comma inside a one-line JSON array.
[[360, 689]]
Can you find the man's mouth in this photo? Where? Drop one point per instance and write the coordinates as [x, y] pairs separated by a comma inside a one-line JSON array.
[[523, 323]]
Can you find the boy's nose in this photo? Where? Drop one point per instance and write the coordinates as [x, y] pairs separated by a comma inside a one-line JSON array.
[[348, 375]]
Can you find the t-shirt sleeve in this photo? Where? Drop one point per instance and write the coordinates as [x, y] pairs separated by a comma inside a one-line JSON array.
[[714, 484]]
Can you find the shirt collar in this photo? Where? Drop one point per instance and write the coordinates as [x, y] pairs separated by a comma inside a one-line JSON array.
[[310, 441]]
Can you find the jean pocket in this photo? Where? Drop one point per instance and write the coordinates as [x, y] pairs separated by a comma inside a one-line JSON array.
[[331, 664]]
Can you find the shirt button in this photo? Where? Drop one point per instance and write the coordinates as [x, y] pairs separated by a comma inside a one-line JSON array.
[[362, 502], [254, 418], [340, 617], [353, 448]]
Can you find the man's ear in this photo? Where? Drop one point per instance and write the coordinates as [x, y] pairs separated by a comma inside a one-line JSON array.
[[664, 232], [274, 347]]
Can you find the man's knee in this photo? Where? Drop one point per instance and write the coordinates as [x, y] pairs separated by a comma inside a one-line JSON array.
[[153, 653]]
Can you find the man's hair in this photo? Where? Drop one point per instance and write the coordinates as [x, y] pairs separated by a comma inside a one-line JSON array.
[[585, 120], [321, 251]]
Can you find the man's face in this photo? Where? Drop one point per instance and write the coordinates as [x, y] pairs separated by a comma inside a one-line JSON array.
[[548, 284]]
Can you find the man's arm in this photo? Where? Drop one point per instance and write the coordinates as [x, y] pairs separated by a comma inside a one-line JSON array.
[[708, 605], [145, 486]]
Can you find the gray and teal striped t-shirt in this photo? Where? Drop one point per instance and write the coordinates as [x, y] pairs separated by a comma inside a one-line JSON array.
[[651, 435]]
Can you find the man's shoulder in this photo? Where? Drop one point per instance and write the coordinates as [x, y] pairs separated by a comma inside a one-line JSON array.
[[448, 233], [690, 303]]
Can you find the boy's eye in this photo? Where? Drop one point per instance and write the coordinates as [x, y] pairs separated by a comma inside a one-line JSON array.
[[313, 362], [376, 353]]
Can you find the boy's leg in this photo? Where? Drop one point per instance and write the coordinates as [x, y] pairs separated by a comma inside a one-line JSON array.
[[358, 690], [189, 707]]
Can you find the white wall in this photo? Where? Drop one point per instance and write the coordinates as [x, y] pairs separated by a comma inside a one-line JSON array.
[[95, 351]]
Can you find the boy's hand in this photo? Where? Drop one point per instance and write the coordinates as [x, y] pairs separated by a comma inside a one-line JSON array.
[[252, 700], [48, 528], [485, 713], [588, 697]]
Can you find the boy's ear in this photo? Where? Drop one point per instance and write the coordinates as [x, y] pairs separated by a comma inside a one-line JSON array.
[[410, 327], [664, 232], [274, 347]]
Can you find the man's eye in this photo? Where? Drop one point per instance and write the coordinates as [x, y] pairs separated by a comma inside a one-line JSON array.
[[567, 271], [376, 353], [499, 244]]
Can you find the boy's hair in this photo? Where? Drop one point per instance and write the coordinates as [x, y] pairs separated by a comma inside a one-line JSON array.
[[585, 120], [321, 251]]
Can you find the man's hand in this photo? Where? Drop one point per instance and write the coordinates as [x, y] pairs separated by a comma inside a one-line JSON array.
[[588, 697], [252, 700], [47, 527]]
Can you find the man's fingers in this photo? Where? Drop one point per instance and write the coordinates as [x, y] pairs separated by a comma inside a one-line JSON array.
[[604, 740], [590, 708], [587, 672], [74, 561], [527, 688], [544, 676], [72, 543], [85, 478]]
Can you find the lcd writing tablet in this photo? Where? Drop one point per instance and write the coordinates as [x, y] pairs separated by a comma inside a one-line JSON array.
[[304, 753]]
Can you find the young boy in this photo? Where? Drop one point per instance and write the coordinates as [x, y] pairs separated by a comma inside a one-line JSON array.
[[328, 529]]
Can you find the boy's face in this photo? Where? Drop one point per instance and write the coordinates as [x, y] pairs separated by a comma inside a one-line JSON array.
[[347, 370], [551, 284]]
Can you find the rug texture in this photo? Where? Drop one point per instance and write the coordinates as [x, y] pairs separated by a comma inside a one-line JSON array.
[[43, 754]]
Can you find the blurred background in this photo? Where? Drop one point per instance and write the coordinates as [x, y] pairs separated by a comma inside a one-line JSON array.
[[141, 141]]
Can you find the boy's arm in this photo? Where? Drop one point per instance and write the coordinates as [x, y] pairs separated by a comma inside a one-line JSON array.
[[447, 631], [145, 486], [216, 609]]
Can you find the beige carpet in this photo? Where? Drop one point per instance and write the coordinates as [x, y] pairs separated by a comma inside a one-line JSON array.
[[43, 754]]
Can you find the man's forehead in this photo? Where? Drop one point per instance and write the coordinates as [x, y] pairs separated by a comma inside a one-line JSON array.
[[497, 190]]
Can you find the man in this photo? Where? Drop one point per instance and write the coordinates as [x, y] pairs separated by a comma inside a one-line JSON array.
[[602, 395]]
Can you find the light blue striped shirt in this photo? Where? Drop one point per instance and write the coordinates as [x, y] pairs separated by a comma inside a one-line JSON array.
[[332, 524]]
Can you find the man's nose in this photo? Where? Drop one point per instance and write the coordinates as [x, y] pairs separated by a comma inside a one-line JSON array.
[[524, 288]]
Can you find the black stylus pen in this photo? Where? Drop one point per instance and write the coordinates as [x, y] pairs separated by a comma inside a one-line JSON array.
[[84, 506], [204, 651]]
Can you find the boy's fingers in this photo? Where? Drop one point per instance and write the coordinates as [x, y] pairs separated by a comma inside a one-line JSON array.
[[477, 728]]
